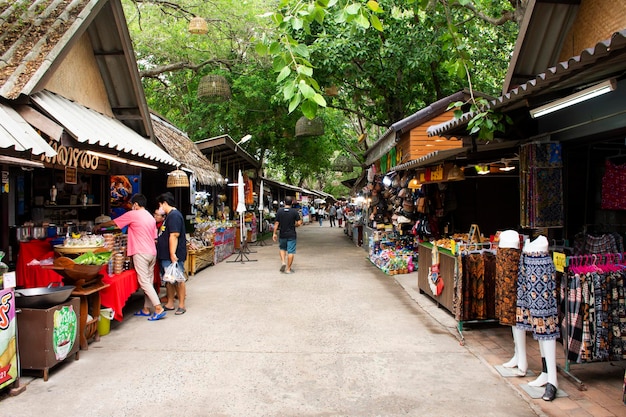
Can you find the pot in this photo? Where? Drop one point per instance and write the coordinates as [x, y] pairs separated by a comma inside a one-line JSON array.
[[39, 232], [42, 296], [24, 233]]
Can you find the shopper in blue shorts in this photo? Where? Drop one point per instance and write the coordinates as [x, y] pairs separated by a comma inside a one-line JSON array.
[[287, 219]]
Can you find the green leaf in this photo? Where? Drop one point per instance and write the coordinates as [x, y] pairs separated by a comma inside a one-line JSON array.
[[289, 90], [295, 101], [362, 21], [309, 109], [284, 73], [278, 63], [306, 89], [302, 50], [373, 6], [304, 70], [319, 100], [458, 113], [353, 8], [376, 23], [296, 23], [261, 49]]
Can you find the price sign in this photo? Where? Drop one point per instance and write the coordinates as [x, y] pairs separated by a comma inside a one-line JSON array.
[[560, 261], [436, 174]]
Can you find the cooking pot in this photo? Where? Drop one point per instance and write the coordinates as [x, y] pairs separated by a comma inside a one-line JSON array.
[[39, 232], [42, 296], [24, 233]]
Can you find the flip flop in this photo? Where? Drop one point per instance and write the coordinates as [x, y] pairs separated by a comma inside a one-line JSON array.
[[141, 313], [169, 309], [158, 316], [180, 311], [282, 268]]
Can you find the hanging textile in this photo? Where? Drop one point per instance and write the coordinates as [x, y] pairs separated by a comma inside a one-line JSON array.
[[507, 266], [473, 298], [614, 186], [596, 312], [537, 296], [541, 185]]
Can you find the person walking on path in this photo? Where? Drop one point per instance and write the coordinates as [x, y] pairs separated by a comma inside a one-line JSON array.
[[340, 216], [171, 248], [287, 219], [332, 215], [320, 215], [142, 233]]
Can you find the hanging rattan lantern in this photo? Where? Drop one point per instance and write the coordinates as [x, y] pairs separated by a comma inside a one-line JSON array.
[[214, 87], [309, 127], [343, 163], [198, 26], [177, 179]]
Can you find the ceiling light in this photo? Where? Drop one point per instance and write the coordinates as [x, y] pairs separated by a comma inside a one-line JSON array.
[[506, 166], [586, 94], [107, 156], [142, 165], [482, 169]]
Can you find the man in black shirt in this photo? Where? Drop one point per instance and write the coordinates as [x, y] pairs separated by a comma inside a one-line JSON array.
[[287, 219]]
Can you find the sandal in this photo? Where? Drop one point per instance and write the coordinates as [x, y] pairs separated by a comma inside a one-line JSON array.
[[141, 313], [159, 316], [169, 309], [180, 311]]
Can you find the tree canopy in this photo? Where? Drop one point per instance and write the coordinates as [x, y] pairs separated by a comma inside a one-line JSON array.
[[385, 61]]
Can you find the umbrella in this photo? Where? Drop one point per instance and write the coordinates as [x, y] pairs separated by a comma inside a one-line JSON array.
[[319, 201], [241, 196]]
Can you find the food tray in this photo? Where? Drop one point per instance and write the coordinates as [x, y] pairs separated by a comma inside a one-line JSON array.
[[75, 249]]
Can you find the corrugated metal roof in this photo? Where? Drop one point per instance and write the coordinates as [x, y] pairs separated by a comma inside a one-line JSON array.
[[431, 158], [89, 126], [605, 60], [17, 134], [36, 39], [224, 151]]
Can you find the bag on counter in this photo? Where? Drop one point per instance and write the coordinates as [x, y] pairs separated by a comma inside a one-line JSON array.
[[173, 274]]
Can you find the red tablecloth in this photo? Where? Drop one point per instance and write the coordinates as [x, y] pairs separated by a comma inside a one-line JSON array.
[[121, 287], [34, 276]]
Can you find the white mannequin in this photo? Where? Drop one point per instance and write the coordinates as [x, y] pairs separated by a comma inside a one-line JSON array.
[[510, 239], [546, 347]]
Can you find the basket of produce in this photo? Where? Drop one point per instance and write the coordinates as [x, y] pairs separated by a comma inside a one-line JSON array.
[[82, 271]]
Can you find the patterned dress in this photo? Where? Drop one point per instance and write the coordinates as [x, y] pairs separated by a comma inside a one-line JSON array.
[[537, 296]]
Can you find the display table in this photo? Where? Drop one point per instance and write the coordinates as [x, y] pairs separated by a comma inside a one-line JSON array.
[[89, 303], [198, 259]]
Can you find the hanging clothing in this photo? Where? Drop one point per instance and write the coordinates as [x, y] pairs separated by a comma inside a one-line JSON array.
[[537, 296], [507, 267]]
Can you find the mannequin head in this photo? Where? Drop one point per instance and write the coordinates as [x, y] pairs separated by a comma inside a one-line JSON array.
[[509, 239], [540, 244]]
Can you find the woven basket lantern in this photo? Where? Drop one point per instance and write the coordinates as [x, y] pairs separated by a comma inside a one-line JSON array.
[[214, 87], [343, 163], [306, 127], [198, 26], [177, 179]]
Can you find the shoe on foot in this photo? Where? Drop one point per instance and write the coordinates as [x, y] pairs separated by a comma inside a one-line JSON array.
[[550, 393], [158, 316], [180, 311], [282, 268], [142, 313]]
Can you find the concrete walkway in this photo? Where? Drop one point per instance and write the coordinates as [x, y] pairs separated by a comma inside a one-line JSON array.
[[336, 338]]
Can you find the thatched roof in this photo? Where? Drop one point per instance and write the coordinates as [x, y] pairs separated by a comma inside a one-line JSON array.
[[179, 146]]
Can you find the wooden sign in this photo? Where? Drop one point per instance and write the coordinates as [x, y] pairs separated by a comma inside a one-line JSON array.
[[70, 175]]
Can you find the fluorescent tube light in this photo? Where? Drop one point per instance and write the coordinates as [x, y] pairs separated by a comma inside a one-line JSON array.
[[107, 156], [142, 165], [121, 160], [583, 95]]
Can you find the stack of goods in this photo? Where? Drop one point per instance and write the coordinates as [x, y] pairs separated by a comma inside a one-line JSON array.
[[118, 263], [392, 253], [109, 241]]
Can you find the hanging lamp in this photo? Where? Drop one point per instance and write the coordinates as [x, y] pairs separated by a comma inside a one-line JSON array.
[[198, 26], [177, 179], [214, 87], [309, 127]]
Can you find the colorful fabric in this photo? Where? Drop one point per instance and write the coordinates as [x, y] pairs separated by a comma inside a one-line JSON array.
[[537, 296], [614, 186], [507, 267]]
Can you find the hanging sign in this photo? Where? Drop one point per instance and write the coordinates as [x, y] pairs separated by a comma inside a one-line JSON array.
[[560, 261], [5, 182], [70, 175], [69, 156]]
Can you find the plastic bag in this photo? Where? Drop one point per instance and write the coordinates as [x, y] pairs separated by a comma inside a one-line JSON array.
[[173, 274]]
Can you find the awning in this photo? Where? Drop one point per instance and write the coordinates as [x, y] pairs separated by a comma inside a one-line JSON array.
[[17, 134], [431, 159], [89, 126], [223, 150]]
